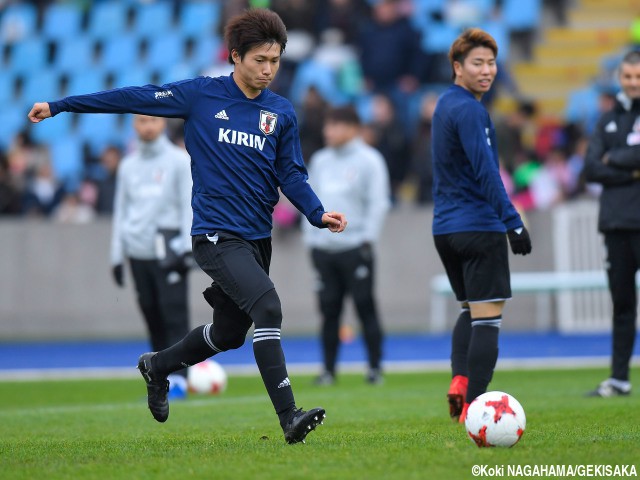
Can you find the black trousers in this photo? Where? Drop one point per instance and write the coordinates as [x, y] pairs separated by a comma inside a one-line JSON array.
[[339, 274], [623, 261], [162, 298]]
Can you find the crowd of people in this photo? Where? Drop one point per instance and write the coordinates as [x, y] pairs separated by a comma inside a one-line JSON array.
[[367, 54]]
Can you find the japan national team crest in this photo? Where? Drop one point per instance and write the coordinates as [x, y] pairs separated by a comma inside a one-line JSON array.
[[268, 122]]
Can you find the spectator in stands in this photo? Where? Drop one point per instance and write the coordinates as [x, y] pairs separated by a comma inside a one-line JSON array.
[[43, 191], [352, 176], [348, 16], [552, 181], [24, 157], [512, 132], [73, 209], [10, 202], [613, 159], [388, 135], [311, 120], [106, 184], [390, 54], [421, 150]]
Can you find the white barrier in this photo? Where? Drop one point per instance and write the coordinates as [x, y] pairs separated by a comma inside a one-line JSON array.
[[543, 284]]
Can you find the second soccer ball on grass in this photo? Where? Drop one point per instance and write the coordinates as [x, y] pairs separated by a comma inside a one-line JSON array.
[[207, 377]]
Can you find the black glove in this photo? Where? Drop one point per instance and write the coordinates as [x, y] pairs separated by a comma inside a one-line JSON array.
[[118, 274], [181, 264], [519, 240]]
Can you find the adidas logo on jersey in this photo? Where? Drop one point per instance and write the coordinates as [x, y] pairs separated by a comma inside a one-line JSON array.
[[222, 115]]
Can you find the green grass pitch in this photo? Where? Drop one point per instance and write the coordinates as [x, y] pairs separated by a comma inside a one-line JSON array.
[[101, 429]]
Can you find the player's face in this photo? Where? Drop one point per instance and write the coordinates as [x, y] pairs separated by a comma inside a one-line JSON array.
[[257, 69], [477, 72], [148, 128], [630, 79]]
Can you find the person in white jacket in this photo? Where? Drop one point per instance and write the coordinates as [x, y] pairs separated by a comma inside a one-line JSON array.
[[152, 231], [352, 177]]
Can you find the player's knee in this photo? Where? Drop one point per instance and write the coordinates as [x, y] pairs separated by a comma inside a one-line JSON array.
[[215, 296], [228, 340], [267, 311]]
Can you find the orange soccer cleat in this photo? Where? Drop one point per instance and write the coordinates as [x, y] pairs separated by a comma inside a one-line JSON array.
[[457, 395]]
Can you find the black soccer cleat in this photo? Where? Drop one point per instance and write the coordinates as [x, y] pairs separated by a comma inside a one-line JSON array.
[[157, 388], [301, 423], [607, 389]]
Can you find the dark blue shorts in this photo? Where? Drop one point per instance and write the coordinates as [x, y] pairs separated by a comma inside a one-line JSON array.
[[477, 264]]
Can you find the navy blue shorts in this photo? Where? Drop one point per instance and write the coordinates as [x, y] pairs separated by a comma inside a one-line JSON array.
[[239, 267], [477, 264]]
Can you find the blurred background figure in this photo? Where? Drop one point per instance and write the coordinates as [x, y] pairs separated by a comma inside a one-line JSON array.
[[351, 176], [420, 168], [613, 160], [152, 230], [388, 135]]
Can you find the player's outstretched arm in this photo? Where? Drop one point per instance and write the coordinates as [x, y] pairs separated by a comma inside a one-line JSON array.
[[39, 112], [335, 222]]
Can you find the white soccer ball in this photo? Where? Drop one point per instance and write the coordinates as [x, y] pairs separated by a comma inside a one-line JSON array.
[[207, 377], [495, 419]]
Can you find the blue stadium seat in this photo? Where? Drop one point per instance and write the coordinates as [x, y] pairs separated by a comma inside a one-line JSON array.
[[310, 73], [519, 15], [206, 52], [179, 71], [29, 55], [87, 81], [18, 21], [48, 132], [120, 52], [500, 34], [67, 160], [424, 10], [61, 21], [107, 19], [582, 107], [165, 51], [13, 118], [132, 77], [74, 54], [153, 19], [40, 87], [7, 82], [99, 130], [438, 37], [199, 18]]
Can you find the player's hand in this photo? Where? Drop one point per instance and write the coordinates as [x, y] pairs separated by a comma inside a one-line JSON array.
[[39, 112], [335, 222], [519, 240], [118, 274]]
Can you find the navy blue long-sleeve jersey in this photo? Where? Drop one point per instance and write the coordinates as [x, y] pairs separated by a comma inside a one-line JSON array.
[[241, 149], [468, 193]]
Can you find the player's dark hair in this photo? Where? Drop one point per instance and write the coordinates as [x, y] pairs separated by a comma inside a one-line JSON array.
[[252, 28], [467, 41], [346, 114], [632, 57]]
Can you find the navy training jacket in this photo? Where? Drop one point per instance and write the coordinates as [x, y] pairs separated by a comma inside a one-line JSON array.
[[468, 192], [241, 149]]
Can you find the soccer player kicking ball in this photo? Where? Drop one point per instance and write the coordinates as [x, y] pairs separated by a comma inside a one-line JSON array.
[[472, 213], [244, 144]]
